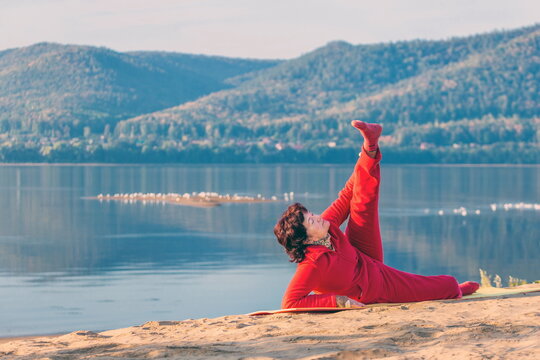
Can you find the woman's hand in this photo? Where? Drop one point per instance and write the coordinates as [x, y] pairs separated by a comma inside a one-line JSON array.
[[347, 302]]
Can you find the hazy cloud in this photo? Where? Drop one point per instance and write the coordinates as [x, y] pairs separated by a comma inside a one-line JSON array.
[[247, 28]]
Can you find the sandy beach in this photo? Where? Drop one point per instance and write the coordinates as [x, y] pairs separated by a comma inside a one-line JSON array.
[[506, 327]]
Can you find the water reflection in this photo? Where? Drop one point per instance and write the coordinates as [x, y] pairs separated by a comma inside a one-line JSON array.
[[46, 226], [56, 245], [506, 244]]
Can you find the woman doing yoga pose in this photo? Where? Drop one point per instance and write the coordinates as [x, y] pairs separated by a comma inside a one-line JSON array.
[[347, 269]]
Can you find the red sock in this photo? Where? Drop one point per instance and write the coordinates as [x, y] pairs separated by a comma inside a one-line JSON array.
[[370, 132], [468, 287]]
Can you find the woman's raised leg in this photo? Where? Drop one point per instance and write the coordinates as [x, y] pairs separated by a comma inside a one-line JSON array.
[[363, 228]]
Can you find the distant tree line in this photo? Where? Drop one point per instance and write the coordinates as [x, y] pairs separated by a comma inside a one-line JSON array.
[[126, 152]]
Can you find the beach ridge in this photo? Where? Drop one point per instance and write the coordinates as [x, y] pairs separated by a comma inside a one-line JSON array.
[[501, 327]]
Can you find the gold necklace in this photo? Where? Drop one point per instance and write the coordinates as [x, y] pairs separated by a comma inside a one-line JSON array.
[[324, 241]]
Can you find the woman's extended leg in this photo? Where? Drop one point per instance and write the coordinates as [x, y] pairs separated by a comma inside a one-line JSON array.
[[400, 286], [363, 228], [384, 284]]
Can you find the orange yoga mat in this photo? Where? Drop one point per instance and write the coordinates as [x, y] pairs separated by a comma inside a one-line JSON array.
[[483, 292]]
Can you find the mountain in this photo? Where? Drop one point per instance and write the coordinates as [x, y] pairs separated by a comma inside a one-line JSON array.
[[463, 99], [396, 84], [48, 87]]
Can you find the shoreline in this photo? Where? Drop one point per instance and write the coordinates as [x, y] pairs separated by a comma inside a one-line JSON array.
[[499, 327], [6, 339], [268, 164]]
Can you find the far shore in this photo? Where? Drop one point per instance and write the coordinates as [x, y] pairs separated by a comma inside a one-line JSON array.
[[267, 164]]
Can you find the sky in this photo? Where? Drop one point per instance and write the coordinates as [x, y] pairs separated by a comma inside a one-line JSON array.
[[270, 29]]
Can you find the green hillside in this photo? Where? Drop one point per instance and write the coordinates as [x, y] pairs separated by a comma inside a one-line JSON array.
[[474, 94], [468, 99], [56, 90]]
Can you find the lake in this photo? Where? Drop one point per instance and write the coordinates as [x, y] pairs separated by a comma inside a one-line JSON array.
[[69, 263]]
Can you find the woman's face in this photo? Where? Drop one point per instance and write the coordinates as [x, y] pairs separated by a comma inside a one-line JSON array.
[[315, 225]]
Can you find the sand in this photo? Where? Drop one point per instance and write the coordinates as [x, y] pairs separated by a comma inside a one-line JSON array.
[[505, 327]]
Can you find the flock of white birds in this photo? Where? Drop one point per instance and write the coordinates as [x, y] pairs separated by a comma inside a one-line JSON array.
[[492, 207], [194, 196], [289, 196]]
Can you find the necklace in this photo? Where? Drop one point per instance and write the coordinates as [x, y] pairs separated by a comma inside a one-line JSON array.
[[324, 241]]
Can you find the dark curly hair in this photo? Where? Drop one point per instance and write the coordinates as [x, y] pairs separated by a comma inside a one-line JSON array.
[[291, 232]]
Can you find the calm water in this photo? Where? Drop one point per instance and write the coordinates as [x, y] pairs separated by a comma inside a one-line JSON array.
[[68, 263]]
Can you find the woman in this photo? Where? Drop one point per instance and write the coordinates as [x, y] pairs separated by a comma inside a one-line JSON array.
[[347, 269]]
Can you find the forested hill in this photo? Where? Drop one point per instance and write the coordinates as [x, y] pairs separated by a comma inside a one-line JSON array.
[[480, 91], [467, 99], [56, 90]]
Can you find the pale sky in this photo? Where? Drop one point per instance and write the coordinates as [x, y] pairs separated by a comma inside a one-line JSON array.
[[251, 28]]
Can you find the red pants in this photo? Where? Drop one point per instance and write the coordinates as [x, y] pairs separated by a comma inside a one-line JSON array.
[[383, 283]]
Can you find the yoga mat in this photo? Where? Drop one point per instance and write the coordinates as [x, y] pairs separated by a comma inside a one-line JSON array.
[[483, 292]]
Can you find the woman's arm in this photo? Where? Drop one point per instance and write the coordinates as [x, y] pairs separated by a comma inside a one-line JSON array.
[[339, 210], [298, 293], [304, 281]]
